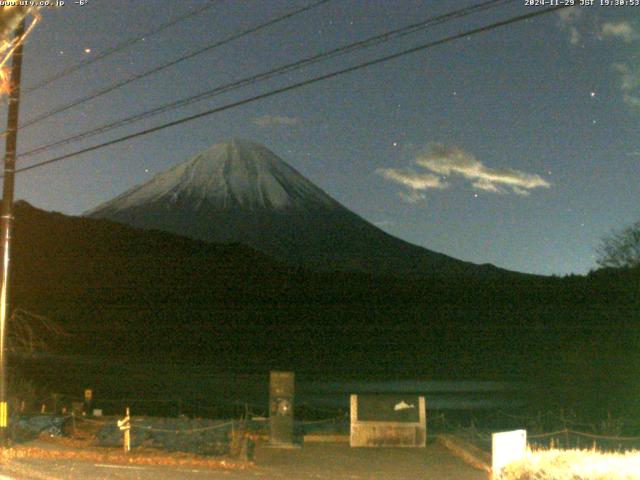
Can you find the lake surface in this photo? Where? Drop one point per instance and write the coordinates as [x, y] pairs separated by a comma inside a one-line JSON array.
[[203, 388]]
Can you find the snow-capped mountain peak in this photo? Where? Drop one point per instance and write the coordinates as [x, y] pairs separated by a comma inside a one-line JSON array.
[[238, 174], [240, 191]]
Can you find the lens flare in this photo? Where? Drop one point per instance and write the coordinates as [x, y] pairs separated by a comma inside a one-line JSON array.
[[5, 81], [10, 18]]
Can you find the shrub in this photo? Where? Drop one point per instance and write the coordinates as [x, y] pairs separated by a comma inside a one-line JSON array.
[[575, 465]]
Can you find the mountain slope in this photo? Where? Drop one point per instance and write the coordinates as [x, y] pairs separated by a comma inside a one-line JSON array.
[[240, 191]]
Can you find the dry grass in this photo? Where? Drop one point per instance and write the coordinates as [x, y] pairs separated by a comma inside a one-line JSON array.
[[77, 449], [575, 465]]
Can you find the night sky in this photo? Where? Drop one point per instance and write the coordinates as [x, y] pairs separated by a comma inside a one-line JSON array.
[[517, 147]]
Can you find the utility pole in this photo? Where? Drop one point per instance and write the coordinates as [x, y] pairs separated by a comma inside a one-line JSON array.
[[7, 223]]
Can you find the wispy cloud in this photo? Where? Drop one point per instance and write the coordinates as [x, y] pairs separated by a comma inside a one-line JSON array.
[[411, 179], [412, 196], [569, 20], [619, 30], [629, 83], [580, 26], [485, 185], [574, 36], [629, 73], [266, 121], [451, 160], [441, 162], [570, 15], [416, 183]]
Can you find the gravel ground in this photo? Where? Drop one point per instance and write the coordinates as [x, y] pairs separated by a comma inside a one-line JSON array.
[[312, 461]]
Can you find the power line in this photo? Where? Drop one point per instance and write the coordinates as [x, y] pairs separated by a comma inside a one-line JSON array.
[[368, 42], [164, 66], [118, 48], [301, 84]]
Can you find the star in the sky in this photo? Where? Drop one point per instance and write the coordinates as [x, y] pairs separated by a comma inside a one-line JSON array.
[[592, 94]]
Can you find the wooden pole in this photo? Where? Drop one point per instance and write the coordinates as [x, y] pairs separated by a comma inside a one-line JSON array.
[[127, 433], [7, 222]]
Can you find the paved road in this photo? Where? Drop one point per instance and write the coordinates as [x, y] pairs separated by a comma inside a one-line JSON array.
[[313, 461]]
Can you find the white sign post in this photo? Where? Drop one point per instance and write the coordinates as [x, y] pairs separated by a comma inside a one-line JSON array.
[[125, 426], [507, 447]]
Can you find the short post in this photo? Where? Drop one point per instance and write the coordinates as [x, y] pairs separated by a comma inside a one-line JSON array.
[[281, 399], [125, 426], [88, 401], [507, 447]]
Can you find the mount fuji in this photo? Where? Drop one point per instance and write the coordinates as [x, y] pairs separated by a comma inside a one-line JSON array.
[[240, 191]]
